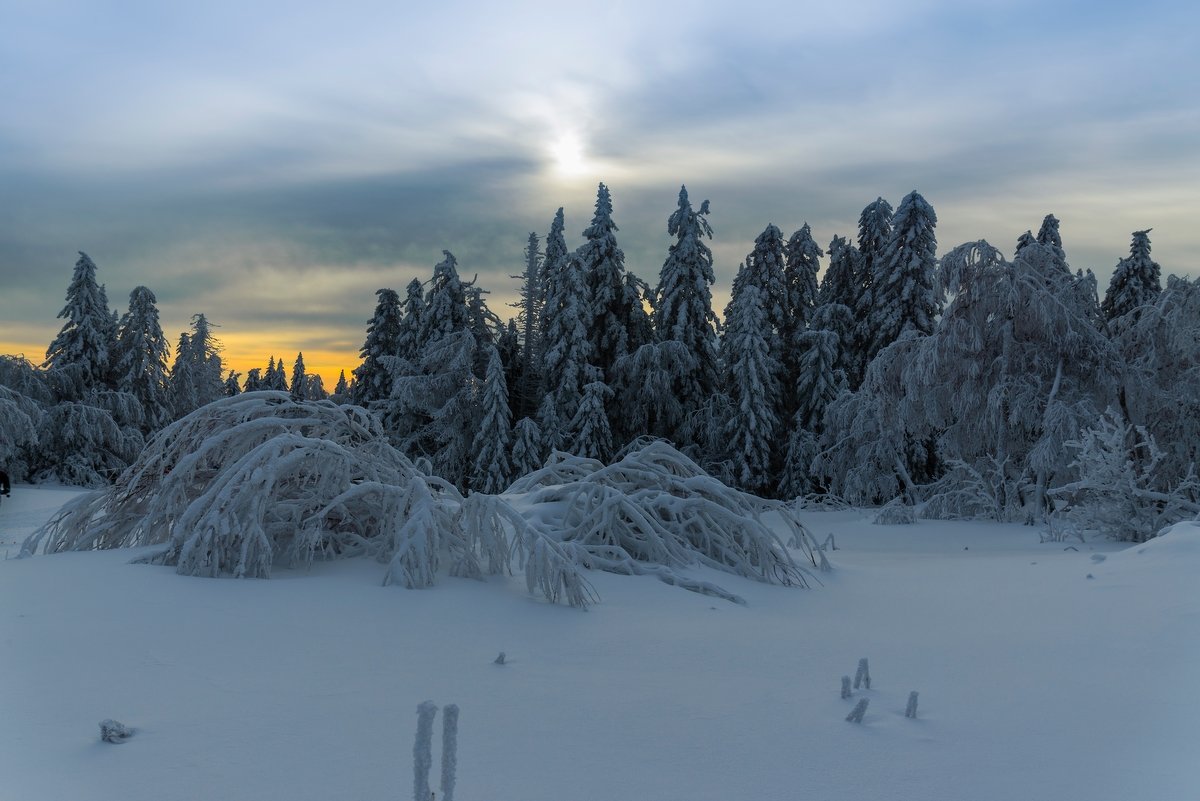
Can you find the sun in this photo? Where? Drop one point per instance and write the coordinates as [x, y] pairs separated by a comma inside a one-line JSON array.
[[567, 154]]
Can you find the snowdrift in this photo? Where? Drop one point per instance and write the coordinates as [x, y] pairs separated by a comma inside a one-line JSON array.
[[259, 480]]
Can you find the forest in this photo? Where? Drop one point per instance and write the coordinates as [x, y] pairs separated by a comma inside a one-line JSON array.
[[871, 372]]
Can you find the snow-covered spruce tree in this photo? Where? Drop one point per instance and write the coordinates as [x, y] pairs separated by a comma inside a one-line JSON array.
[[589, 432], [82, 353], [874, 231], [1135, 281], [491, 469], [803, 258], [553, 260], [254, 380], [24, 395], [141, 359], [649, 382], [408, 340], [508, 344], [764, 268], [753, 387], [683, 314], [233, 385], [1015, 367], [1125, 489], [863, 456], [566, 368], [529, 317], [843, 281], [554, 437], [197, 377], [817, 384], [83, 445], [297, 388], [372, 379], [904, 294], [259, 481], [314, 387], [527, 450], [341, 390], [616, 319], [1049, 235]]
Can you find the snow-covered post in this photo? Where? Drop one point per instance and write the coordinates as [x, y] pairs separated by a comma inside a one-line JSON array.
[[911, 710], [423, 751], [449, 750], [856, 714], [862, 677], [845, 686]]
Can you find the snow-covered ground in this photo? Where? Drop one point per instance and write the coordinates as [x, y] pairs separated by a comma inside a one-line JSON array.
[[1036, 681]]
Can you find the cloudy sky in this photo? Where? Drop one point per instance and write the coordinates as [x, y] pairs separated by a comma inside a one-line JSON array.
[[272, 164]]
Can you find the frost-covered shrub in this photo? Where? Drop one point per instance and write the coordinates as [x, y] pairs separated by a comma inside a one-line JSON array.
[[895, 513], [860, 709], [423, 750], [258, 479], [862, 676], [910, 711], [84, 445]]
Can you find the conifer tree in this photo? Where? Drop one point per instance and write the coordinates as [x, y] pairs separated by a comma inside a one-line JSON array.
[[591, 436], [874, 231], [765, 269], [297, 388], [254, 381], [566, 368], [553, 261], [83, 351], [683, 302], [803, 258], [408, 341], [527, 447], [446, 309], [491, 469], [340, 389], [373, 380], [1049, 236], [512, 357], [182, 381], [843, 280], [529, 321], [1135, 282], [617, 319], [752, 386], [277, 378], [141, 364], [232, 385], [553, 438], [903, 295]]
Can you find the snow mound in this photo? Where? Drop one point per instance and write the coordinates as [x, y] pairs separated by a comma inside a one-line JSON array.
[[257, 480], [1175, 546]]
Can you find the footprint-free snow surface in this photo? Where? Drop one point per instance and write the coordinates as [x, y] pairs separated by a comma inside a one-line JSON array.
[[1057, 671]]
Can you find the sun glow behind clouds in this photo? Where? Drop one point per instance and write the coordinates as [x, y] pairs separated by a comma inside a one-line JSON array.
[[568, 154]]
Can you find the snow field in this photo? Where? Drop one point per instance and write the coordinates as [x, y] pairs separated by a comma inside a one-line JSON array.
[[1035, 682]]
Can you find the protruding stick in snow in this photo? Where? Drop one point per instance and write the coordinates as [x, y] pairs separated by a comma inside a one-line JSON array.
[[856, 714], [845, 686], [862, 677], [449, 750], [423, 750], [911, 710]]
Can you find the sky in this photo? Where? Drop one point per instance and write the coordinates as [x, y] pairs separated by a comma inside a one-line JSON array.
[[272, 164]]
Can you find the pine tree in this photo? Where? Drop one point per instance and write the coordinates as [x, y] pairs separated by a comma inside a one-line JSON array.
[[591, 436], [683, 302], [197, 377], [617, 320], [408, 341], [1049, 236], [254, 380], [372, 379], [512, 356], [903, 284], [753, 385], [340, 389], [874, 232], [276, 377], [232, 385], [83, 351], [297, 387], [843, 280], [551, 425], [142, 353], [446, 309], [803, 258], [182, 381], [566, 368], [491, 469], [527, 447], [529, 320], [1135, 281], [764, 268]]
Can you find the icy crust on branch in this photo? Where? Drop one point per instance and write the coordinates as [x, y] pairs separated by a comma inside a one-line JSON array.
[[258, 480], [654, 510]]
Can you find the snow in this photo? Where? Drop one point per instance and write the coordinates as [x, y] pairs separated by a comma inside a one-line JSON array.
[[1035, 681]]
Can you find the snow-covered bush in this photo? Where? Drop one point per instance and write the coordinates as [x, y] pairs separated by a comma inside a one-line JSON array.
[[259, 479], [1127, 487]]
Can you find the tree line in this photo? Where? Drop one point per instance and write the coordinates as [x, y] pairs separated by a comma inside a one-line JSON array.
[[974, 384]]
